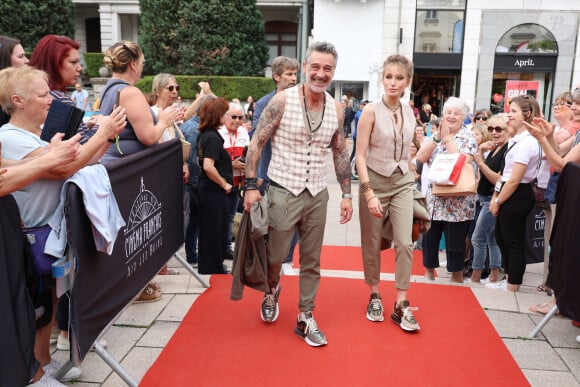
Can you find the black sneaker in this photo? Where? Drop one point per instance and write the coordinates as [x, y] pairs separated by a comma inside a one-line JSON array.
[[375, 308], [307, 329], [403, 316], [269, 311]]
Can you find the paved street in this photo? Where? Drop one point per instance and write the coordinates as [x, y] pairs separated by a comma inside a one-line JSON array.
[[139, 335]]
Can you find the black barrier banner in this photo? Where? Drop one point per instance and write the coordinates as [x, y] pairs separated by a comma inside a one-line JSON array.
[[534, 247], [148, 187]]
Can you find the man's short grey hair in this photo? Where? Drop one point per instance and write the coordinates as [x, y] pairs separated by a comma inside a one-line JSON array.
[[324, 47], [235, 106], [457, 103], [283, 63]]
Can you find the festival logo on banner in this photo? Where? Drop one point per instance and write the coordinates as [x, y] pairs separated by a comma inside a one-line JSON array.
[[143, 234], [516, 88]]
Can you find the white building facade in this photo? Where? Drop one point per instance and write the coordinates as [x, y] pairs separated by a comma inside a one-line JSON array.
[[478, 50]]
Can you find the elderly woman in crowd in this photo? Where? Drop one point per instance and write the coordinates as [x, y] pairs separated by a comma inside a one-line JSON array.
[[490, 169], [214, 184], [166, 92], [236, 141], [25, 95], [385, 132], [450, 214], [514, 197], [19, 301]]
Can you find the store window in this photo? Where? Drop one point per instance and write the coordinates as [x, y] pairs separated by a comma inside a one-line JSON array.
[[528, 39], [281, 38], [439, 30], [525, 63], [439, 26]]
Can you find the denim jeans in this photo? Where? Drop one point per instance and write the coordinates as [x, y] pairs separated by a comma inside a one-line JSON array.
[[483, 238]]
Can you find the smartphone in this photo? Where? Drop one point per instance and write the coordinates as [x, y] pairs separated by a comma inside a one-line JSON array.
[[117, 97]]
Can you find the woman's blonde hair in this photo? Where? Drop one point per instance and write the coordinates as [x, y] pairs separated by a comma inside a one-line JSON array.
[[121, 54], [482, 129], [17, 81]]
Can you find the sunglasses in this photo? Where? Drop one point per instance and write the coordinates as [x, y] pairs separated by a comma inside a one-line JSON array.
[[484, 118], [237, 117], [498, 129], [171, 88]]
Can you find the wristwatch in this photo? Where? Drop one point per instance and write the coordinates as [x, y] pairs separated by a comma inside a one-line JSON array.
[[346, 196], [436, 141], [496, 201]]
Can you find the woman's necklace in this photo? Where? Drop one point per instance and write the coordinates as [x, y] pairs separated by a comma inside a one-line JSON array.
[[395, 111], [395, 128], [308, 118]]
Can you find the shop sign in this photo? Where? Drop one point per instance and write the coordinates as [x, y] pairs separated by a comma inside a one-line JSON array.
[[524, 63], [516, 88]]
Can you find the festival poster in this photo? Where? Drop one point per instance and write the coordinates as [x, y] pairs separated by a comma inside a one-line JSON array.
[[516, 88]]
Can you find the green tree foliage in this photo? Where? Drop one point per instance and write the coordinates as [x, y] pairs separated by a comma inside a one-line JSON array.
[[29, 21], [203, 37]]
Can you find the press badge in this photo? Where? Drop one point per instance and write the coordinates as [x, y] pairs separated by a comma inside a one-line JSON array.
[[498, 186]]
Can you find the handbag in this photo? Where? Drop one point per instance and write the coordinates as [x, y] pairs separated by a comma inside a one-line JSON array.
[[185, 145], [539, 195], [446, 168], [465, 184], [37, 237]]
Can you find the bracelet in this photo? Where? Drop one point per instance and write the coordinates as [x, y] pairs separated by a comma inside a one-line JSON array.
[[435, 140], [366, 186], [251, 183], [346, 196], [372, 197]]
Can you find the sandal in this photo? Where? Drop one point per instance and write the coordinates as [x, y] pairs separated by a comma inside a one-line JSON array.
[[149, 294], [542, 308], [544, 289]]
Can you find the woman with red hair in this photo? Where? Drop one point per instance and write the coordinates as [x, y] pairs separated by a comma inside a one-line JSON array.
[[59, 57], [214, 184]]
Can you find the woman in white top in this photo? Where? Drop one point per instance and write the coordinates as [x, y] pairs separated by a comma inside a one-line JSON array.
[[384, 135], [515, 198]]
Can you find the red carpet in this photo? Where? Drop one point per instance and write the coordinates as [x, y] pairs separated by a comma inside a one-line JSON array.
[[350, 258], [224, 343]]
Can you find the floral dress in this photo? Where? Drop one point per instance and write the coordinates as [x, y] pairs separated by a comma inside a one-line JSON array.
[[453, 208]]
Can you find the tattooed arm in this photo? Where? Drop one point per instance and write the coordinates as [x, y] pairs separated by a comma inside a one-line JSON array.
[[269, 121], [341, 159], [340, 154]]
